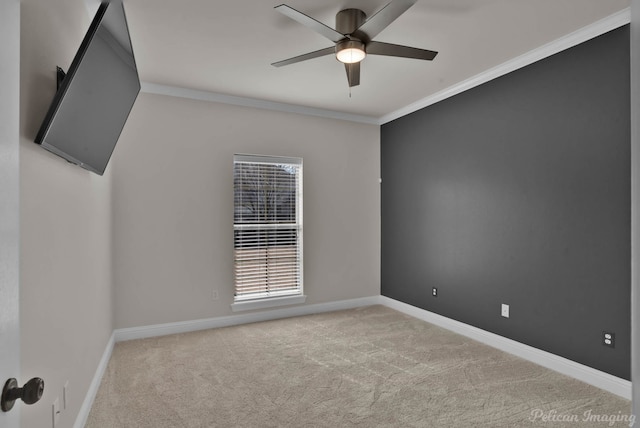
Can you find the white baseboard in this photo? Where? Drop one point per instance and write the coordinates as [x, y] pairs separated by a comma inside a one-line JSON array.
[[83, 414], [123, 334], [597, 378]]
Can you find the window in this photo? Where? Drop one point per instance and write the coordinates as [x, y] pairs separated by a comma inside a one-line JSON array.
[[267, 227]]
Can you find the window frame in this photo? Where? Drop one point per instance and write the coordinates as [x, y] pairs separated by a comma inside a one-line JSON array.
[[271, 298]]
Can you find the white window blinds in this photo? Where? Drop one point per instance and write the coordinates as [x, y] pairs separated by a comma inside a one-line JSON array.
[[267, 226]]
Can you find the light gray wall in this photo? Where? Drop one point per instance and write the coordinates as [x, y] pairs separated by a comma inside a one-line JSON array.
[[9, 200], [173, 205], [635, 204], [65, 254]]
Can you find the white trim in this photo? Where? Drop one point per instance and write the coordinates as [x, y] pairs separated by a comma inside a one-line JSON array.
[[598, 28], [85, 409], [597, 378], [267, 303], [120, 335], [214, 97], [266, 159], [588, 32], [123, 334], [551, 361]]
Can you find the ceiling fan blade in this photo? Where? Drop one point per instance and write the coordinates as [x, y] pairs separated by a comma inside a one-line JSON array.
[[353, 74], [310, 55], [388, 49], [309, 22], [385, 16]]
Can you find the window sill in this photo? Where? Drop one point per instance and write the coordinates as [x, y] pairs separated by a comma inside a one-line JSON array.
[[267, 303]]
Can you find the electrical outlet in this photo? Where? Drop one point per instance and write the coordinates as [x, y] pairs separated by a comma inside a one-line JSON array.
[[55, 412], [65, 395], [609, 339], [434, 292], [214, 295], [505, 311]]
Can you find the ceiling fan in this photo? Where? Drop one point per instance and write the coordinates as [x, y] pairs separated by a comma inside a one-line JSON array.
[[353, 37]]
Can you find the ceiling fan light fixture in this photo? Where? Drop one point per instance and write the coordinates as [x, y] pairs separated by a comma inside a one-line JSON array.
[[350, 51]]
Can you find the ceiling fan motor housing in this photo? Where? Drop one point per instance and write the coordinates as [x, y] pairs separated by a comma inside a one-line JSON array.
[[352, 48], [349, 20]]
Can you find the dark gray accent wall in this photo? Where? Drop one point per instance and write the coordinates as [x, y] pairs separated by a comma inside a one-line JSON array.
[[518, 192]]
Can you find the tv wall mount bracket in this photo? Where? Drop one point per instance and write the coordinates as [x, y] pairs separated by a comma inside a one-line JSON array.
[[60, 74]]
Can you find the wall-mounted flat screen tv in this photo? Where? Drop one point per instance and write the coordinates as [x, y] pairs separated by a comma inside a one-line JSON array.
[[94, 99]]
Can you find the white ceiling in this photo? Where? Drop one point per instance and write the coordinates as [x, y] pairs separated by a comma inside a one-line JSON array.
[[226, 47]]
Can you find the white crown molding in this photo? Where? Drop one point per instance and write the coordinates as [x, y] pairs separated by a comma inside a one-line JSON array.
[[588, 32], [175, 91], [597, 378], [596, 29], [214, 97]]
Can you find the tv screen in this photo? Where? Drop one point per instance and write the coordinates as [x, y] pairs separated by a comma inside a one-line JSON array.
[[92, 104]]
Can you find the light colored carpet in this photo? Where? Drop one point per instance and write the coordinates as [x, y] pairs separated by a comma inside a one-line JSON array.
[[367, 367]]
